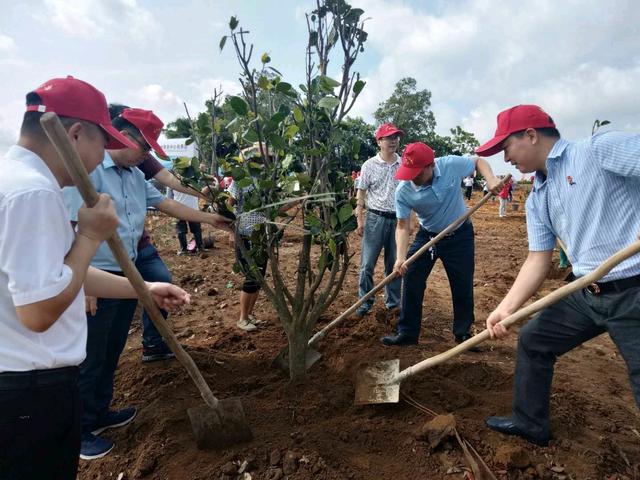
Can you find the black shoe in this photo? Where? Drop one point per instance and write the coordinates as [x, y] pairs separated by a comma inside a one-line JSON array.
[[399, 340], [155, 353], [464, 338], [507, 426]]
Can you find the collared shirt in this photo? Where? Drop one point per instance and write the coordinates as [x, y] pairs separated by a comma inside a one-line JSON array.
[[590, 199], [437, 205], [377, 177], [34, 241], [131, 195], [246, 220]]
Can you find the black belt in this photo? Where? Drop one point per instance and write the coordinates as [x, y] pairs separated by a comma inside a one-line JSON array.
[[383, 214], [599, 288], [38, 378]]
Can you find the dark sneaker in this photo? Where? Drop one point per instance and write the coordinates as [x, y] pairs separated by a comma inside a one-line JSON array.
[[399, 340], [92, 446], [464, 338], [115, 419], [362, 311], [154, 353]]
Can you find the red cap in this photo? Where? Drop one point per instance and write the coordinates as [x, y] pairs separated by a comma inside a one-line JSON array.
[[70, 97], [415, 157], [512, 120], [149, 125], [386, 130]]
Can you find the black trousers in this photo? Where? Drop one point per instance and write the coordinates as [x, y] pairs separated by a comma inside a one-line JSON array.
[[457, 254], [39, 424], [559, 329]]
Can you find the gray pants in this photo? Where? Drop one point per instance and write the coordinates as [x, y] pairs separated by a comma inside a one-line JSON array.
[[561, 328]]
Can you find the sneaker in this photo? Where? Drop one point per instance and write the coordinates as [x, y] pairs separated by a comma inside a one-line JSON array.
[[92, 446], [115, 419], [246, 325], [155, 353], [464, 338], [255, 321], [362, 310], [182, 252]]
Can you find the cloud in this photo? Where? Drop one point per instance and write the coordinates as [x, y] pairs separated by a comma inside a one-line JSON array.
[[206, 86], [577, 59], [7, 45], [92, 19], [166, 104], [10, 118]]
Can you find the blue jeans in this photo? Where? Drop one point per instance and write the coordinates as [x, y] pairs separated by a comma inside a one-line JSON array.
[[152, 269], [379, 233], [561, 328], [457, 254], [107, 335]]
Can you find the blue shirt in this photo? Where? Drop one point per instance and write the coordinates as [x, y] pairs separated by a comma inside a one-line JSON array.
[[437, 205], [590, 199], [131, 195]]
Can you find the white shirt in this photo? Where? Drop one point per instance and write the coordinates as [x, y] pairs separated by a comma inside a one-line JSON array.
[[377, 177], [35, 237], [468, 181], [190, 201]]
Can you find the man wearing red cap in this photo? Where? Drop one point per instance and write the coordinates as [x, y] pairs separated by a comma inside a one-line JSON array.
[[376, 185], [431, 187], [43, 328], [586, 194], [109, 325]]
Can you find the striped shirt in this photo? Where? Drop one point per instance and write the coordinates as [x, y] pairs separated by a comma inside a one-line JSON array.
[[377, 177], [590, 199], [246, 220]]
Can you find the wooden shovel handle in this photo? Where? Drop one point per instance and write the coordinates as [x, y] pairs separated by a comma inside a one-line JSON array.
[[456, 223], [58, 137], [553, 297]]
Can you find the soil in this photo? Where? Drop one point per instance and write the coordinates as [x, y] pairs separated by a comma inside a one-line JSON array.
[[314, 430]]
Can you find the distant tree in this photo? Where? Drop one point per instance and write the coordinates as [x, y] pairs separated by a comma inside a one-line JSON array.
[[409, 109], [356, 143]]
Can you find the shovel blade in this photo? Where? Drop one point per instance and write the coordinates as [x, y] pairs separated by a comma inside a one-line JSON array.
[[375, 384], [216, 428], [282, 360]]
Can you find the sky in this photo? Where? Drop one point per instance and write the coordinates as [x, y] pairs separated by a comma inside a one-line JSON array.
[[579, 60]]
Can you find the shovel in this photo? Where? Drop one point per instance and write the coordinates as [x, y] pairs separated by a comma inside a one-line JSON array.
[[312, 356], [380, 383], [217, 424]]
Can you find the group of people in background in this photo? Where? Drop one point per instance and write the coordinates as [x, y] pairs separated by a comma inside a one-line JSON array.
[[66, 308]]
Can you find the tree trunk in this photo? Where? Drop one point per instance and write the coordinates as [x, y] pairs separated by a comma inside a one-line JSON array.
[[297, 354]]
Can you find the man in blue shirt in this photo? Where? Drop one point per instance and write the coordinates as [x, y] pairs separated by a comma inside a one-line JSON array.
[[431, 187], [108, 325], [587, 194]]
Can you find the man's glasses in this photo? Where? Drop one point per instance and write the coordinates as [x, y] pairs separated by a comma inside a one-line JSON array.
[[391, 138], [144, 146]]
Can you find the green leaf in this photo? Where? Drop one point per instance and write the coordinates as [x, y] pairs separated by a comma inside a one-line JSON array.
[[345, 212], [274, 70], [332, 247], [291, 131], [329, 103], [223, 40], [265, 58], [238, 173], [250, 135], [244, 183], [266, 184], [181, 163], [334, 221], [358, 86], [297, 115], [322, 261], [356, 144], [189, 141], [195, 164], [277, 141], [233, 23], [313, 39], [264, 83], [283, 87], [238, 105], [329, 81]]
